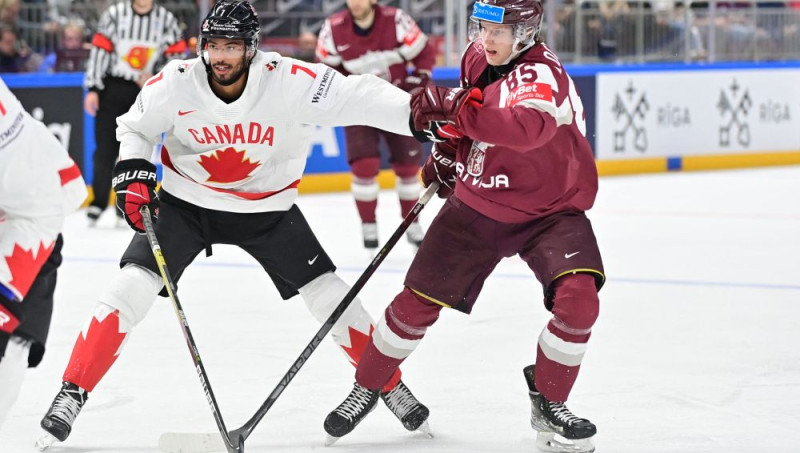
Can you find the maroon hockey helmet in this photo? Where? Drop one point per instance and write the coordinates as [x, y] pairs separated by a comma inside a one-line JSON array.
[[524, 15]]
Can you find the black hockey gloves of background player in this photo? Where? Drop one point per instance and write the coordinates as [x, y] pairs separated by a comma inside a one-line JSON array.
[[8, 323], [135, 184], [441, 167]]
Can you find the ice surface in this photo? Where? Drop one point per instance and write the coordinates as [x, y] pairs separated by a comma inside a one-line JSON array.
[[697, 348]]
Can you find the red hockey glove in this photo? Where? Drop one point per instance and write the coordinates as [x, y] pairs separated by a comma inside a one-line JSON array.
[[8, 324], [435, 103], [441, 167], [416, 79], [135, 184]]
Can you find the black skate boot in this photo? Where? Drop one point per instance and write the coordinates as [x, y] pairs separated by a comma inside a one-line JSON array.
[[411, 413], [58, 421], [370, 234], [550, 419], [360, 402], [93, 214]]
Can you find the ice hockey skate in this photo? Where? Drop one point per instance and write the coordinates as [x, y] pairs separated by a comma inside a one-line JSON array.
[[360, 402], [411, 413], [369, 231], [414, 234], [551, 419], [93, 215], [57, 423]]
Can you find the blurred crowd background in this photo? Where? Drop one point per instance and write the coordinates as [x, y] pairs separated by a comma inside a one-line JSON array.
[[54, 35]]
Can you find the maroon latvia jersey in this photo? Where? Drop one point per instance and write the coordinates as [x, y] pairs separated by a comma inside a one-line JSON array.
[[525, 153], [384, 50]]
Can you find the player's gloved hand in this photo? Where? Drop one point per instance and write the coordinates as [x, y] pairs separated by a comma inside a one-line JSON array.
[[415, 80], [135, 184], [441, 167], [8, 324], [435, 103], [436, 131]]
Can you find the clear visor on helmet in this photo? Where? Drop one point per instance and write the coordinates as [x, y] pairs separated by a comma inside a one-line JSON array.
[[490, 33], [501, 34]]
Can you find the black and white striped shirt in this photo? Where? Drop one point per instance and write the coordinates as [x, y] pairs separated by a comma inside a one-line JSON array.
[[128, 44]]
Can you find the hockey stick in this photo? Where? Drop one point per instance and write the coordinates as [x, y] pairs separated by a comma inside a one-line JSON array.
[[187, 333], [207, 442]]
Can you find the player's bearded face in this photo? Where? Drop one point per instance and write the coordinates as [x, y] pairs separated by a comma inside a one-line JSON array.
[[228, 61]]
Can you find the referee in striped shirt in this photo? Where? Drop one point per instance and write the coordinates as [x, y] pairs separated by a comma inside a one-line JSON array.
[[132, 37]]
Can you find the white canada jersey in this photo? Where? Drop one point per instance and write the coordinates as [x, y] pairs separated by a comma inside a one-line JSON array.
[[249, 155], [39, 185]]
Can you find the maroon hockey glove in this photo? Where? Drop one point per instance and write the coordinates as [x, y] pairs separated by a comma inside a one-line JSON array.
[[416, 79], [441, 167], [435, 103], [135, 184]]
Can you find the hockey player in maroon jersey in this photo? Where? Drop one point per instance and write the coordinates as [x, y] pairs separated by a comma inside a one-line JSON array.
[[518, 182], [367, 38], [236, 123]]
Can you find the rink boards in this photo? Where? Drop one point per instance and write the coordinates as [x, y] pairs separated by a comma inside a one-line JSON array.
[[640, 119]]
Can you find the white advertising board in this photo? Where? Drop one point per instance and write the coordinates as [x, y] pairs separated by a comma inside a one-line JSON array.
[[706, 112]]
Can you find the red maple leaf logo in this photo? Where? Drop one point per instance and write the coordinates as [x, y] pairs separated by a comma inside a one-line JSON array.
[[24, 266], [358, 342], [227, 165], [95, 350]]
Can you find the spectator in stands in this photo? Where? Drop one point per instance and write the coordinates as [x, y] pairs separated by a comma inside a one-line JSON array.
[[13, 55], [72, 53], [306, 46]]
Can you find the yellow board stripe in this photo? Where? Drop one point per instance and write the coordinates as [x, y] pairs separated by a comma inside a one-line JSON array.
[[631, 166], [340, 182], [694, 163], [612, 167]]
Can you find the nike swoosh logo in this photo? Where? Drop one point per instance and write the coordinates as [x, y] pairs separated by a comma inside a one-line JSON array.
[[181, 112], [311, 261], [343, 47], [570, 255]]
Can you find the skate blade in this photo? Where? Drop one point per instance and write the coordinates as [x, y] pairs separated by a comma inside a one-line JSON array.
[[546, 441], [330, 440], [425, 428], [45, 441]]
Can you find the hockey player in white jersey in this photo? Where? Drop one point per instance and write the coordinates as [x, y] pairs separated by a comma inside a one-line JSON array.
[[238, 124], [39, 186]]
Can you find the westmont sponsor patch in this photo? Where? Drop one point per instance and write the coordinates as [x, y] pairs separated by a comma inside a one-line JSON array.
[[321, 95], [535, 91]]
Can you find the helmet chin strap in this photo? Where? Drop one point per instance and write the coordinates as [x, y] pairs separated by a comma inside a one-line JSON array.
[[515, 53]]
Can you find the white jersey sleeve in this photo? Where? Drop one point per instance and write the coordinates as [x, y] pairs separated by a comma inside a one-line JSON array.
[[141, 127], [411, 39], [321, 95], [326, 48]]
